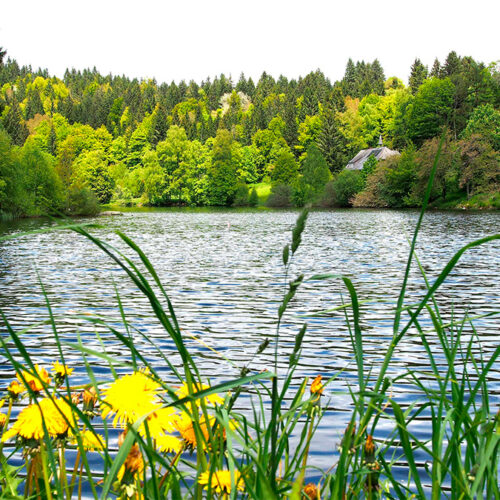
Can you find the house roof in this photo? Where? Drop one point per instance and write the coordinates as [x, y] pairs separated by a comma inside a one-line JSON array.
[[380, 153]]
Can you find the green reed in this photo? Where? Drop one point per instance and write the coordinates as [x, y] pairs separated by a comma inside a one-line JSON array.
[[256, 449]]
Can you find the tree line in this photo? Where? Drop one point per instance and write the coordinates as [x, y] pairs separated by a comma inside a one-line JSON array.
[[69, 144]]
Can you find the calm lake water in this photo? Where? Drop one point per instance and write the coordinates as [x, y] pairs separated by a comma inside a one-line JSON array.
[[223, 271]]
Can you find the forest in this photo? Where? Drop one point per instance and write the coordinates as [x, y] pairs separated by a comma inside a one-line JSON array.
[[71, 145]]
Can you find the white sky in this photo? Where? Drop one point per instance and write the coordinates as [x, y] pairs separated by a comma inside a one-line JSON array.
[[174, 40]]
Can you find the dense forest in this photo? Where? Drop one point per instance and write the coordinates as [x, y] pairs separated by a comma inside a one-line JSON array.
[[68, 145]]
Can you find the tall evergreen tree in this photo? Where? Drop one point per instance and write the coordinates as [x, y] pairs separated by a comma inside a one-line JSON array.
[[14, 125], [331, 141], [451, 65], [377, 78], [418, 74], [349, 82], [436, 69]]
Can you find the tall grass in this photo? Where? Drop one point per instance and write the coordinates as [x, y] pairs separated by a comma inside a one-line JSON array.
[[236, 455]]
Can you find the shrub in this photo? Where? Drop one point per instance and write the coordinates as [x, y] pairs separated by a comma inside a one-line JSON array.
[[281, 196], [241, 196], [346, 185]]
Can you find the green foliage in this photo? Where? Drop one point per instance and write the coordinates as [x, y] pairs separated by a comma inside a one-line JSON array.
[[12, 192], [417, 75], [484, 121], [346, 185], [281, 196], [431, 109], [241, 197], [369, 167], [81, 201], [315, 175], [128, 119], [91, 170], [253, 200], [222, 177], [43, 185], [285, 169]]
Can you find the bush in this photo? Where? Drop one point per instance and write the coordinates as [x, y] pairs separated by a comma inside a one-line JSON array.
[[241, 196], [346, 185], [253, 201], [281, 196], [81, 201]]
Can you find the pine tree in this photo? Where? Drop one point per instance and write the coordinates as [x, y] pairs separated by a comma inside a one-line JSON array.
[[436, 69], [451, 65], [14, 124], [417, 75], [377, 78], [52, 142], [33, 105], [349, 82], [331, 141]]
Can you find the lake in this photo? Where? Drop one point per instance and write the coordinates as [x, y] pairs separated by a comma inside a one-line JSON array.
[[224, 274]]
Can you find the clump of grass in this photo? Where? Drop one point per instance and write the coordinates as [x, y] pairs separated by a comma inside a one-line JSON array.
[[188, 440]]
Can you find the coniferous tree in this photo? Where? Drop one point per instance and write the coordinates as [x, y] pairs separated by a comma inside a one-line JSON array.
[[34, 105], [451, 65], [331, 141], [349, 82], [14, 125], [417, 75], [377, 78], [52, 142], [436, 69]]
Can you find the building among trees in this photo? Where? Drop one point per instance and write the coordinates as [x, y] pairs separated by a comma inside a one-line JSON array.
[[380, 153]]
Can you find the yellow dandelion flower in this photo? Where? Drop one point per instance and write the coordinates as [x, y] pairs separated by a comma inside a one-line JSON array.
[[14, 389], [160, 422], [130, 397], [61, 371], [3, 417], [90, 441], [183, 392], [185, 427], [168, 444], [220, 481], [33, 382], [30, 422]]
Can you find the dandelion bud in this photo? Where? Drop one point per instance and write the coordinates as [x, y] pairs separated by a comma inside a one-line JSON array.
[[89, 401], [75, 398], [369, 450], [317, 386]]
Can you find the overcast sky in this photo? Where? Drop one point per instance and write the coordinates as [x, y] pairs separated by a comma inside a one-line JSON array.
[[175, 39]]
